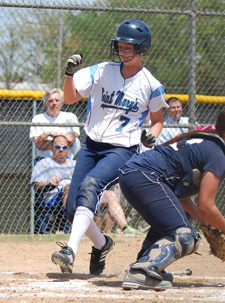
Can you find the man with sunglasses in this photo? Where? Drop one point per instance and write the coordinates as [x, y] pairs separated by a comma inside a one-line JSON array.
[[51, 177], [120, 95]]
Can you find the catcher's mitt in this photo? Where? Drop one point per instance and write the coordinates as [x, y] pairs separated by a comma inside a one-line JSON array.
[[216, 240]]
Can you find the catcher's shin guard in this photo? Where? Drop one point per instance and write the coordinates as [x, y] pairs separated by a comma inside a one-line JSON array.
[[167, 250], [144, 249]]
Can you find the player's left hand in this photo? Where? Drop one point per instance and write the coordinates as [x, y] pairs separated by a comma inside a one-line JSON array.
[[216, 240], [148, 139]]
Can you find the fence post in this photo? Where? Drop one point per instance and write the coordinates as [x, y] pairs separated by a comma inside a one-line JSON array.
[[33, 150], [192, 63], [59, 56]]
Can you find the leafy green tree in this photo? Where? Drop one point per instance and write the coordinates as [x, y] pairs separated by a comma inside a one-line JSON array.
[[8, 58], [48, 37]]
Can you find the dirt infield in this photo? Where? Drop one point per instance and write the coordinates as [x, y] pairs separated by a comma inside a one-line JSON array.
[[27, 275]]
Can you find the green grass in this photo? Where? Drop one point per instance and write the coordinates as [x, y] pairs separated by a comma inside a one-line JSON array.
[[52, 238], [34, 238]]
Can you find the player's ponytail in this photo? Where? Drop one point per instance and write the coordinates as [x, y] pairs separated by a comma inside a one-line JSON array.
[[220, 123]]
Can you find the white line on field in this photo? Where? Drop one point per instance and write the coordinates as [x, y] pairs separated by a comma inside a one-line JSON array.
[[86, 289], [178, 276]]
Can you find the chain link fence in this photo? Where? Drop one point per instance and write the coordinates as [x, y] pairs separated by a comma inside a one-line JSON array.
[[187, 56]]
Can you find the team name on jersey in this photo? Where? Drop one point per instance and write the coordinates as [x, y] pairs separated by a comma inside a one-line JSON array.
[[117, 101]]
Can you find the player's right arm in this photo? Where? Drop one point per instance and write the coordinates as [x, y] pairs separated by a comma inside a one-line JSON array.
[[191, 209], [71, 94]]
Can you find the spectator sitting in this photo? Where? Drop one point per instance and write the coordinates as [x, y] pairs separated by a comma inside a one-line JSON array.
[[111, 211], [42, 135], [174, 112], [50, 177]]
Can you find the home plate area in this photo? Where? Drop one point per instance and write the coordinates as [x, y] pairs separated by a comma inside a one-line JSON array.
[[32, 287], [27, 275]]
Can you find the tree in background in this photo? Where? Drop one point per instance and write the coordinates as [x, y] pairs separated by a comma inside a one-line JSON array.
[[8, 60], [44, 39]]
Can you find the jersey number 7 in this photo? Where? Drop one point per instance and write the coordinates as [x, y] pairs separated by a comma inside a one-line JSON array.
[[124, 121]]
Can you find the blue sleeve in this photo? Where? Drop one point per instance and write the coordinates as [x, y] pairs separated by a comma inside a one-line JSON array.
[[216, 163]]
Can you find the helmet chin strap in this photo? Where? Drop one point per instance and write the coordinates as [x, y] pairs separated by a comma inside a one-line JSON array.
[[115, 54], [128, 58]]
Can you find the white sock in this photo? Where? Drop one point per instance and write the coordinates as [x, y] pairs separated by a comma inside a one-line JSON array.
[[81, 221], [94, 234]]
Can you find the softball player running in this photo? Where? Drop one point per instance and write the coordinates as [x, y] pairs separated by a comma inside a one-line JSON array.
[[121, 93]]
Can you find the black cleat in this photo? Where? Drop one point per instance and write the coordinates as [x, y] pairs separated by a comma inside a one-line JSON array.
[[97, 264]]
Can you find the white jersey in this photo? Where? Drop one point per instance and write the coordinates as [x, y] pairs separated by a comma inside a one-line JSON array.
[[117, 107], [63, 117], [169, 133]]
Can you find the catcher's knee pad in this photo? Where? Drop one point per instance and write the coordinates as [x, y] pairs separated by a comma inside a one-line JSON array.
[[167, 250], [189, 241]]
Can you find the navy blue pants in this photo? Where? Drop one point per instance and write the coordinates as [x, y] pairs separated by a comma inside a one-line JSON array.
[[97, 169], [154, 201]]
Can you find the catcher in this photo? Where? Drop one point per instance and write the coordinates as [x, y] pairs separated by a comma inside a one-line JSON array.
[[154, 181]]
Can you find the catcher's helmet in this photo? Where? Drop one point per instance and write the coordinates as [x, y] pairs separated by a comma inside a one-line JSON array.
[[135, 32]]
